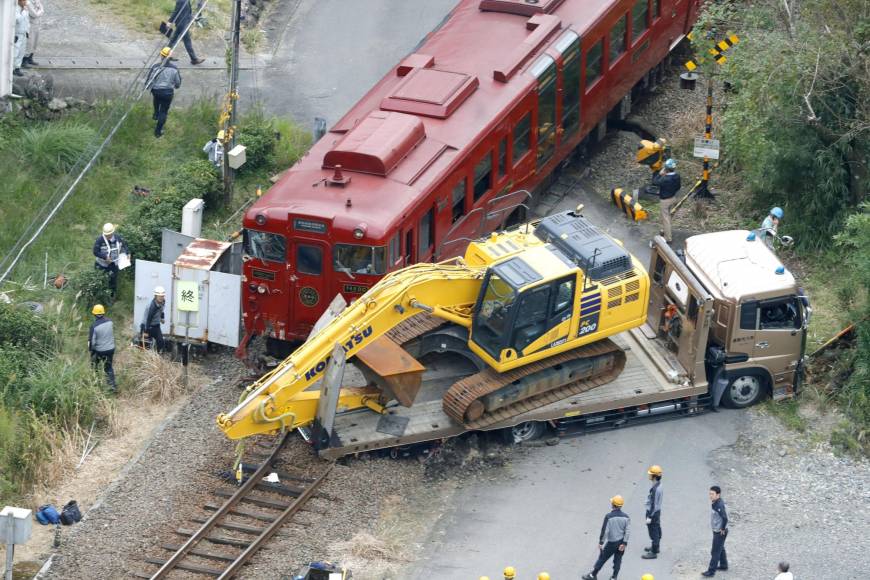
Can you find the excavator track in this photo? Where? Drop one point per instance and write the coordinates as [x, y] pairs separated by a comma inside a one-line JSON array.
[[463, 401]]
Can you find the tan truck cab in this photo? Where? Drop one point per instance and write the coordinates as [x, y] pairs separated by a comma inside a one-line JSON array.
[[756, 315]]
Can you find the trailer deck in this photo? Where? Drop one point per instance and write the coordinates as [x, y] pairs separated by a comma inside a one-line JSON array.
[[651, 375]]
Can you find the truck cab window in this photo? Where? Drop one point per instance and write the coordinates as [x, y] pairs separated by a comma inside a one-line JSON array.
[[780, 315], [749, 316], [265, 246], [309, 259]]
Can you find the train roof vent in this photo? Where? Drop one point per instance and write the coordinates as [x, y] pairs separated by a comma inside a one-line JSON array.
[[596, 253], [430, 92], [414, 61], [542, 26], [520, 7], [377, 144]]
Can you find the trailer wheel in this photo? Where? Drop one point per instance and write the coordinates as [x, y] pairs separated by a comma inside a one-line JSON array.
[[527, 431], [743, 391]]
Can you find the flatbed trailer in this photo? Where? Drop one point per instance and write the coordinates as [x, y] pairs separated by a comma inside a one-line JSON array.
[[652, 376]]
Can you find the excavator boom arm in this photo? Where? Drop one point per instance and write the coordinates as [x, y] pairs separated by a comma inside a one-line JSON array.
[[444, 290]]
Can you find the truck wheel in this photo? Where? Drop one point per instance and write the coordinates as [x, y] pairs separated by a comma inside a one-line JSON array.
[[743, 391], [527, 431]]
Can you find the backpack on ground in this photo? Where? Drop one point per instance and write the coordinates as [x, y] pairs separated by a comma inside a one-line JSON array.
[[70, 514], [47, 514]]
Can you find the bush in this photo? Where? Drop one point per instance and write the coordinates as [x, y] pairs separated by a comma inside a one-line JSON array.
[[55, 148], [65, 392], [92, 286], [13, 365], [292, 145], [257, 134], [197, 179], [148, 219], [25, 450], [22, 328]]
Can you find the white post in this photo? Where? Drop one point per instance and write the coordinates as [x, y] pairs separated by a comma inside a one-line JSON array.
[[15, 528], [7, 45]]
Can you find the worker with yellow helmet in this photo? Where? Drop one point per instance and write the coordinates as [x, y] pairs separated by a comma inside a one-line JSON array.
[[163, 78], [647, 577], [654, 512], [101, 343], [613, 538], [214, 149]]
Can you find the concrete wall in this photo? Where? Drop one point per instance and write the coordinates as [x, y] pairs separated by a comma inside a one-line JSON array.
[[7, 41]]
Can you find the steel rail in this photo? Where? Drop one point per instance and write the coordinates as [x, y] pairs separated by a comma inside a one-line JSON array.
[[212, 522], [270, 531]]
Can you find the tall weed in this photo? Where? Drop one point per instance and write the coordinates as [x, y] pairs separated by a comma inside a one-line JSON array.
[[55, 148]]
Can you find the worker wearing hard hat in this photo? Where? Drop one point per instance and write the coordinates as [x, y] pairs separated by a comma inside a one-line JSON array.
[[769, 225], [108, 250], [101, 343], [668, 182], [654, 512], [613, 538], [162, 79], [154, 316], [214, 149]]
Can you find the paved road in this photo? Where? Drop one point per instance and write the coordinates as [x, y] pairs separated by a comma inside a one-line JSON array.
[[546, 515]]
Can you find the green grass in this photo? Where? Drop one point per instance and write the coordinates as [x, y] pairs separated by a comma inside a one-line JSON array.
[[147, 14], [48, 385], [788, 412]]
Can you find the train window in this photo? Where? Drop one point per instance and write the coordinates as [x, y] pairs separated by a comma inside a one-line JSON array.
[[354, 259], [427, 231], [502, 157], [395, 250], [522, 137], [265, 246], [657, 8], [309, 259], [546, 111], [409, 247], [483, 176], [639, 14], [617, 39], [459, 200], [593, 63], [571, 90]]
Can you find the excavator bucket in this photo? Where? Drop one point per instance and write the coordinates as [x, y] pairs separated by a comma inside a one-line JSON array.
[[390, 367]]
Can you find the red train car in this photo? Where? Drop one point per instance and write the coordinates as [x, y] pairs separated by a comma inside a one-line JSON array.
[[489, 104]]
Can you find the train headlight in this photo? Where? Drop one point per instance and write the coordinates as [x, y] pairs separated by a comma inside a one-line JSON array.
[[260, 219], [262, 289], [359, 232]]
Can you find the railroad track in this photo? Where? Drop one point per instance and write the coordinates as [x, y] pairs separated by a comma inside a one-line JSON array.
[[236, 550]]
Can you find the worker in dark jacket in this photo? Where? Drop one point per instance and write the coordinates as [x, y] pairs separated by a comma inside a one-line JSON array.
[[654, 512], [154, 316], [613, 539], [101, 343], [163, 79], [107, 250], [719, 524], [182, 18], [668, 182]]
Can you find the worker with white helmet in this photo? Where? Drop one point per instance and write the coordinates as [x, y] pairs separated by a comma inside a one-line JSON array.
[[108, 248], [613, 538], [769, 225], [154, 317], [101, 343], [668, 182]]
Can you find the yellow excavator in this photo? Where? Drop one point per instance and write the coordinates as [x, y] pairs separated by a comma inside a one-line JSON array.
[[530, 309]]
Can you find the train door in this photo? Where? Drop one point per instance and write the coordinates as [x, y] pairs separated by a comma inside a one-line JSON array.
[[570, 67], [309, 291], [544, 70]]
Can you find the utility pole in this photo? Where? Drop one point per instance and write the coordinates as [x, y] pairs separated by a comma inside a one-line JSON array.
[[229, 115]]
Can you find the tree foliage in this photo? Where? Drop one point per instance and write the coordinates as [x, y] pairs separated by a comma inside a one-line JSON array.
[[797, 126]]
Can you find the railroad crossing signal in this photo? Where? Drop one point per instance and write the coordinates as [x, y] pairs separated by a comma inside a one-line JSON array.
[[717, 52]]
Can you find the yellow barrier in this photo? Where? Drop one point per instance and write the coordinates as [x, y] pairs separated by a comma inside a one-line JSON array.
[[626, 203]]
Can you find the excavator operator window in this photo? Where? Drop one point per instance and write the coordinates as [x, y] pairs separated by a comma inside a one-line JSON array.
[[531, 320], [492, 322]]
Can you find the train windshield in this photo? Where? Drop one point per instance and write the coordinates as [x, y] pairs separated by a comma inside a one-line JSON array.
[[265, 246], [353, 259], [492, 323]]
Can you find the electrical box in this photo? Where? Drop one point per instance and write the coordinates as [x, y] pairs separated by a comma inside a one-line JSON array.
[[191, 218], [18, 522], [237, 156]]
